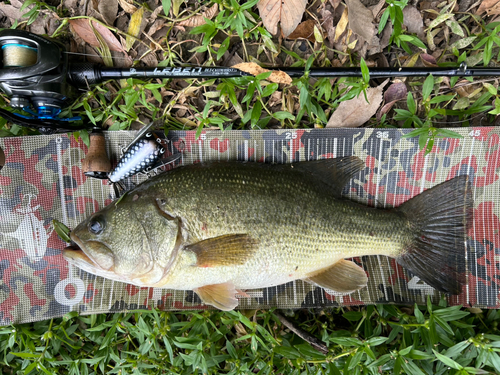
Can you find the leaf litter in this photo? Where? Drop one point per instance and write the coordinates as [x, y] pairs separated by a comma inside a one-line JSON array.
[[275, 33]]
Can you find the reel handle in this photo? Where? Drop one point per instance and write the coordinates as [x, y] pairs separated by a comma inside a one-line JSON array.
[[96, 164]]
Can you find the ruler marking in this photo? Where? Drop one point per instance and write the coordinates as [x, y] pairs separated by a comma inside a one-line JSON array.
[[474, 227]]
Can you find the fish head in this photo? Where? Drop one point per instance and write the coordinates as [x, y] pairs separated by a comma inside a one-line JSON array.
[[128, 241]]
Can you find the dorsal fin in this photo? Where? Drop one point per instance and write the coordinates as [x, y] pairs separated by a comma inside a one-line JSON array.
[[336, 173]]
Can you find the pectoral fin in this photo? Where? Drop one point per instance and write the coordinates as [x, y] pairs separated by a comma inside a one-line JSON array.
[[221, 296], [344, 277], [227, 250]]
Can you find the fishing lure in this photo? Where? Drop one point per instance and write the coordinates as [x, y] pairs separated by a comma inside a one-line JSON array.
[[145, 153]]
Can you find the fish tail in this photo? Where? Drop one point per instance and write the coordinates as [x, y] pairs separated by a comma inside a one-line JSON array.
[[439, 219]]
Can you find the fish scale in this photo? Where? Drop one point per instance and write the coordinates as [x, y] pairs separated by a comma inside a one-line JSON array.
[[219, 227], [270, 215]]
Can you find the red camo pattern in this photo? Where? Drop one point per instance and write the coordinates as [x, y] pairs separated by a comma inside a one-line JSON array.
[[42, 180]]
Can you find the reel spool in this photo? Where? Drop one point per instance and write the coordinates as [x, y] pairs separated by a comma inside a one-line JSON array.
[[34, 74], [16, 55]]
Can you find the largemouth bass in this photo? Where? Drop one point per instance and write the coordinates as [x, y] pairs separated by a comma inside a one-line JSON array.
[[220, 228]]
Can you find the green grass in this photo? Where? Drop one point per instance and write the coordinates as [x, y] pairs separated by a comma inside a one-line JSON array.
[[382, 339], [253, 102]]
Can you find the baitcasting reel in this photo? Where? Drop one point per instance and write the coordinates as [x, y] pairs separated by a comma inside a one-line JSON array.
[[35, 76]]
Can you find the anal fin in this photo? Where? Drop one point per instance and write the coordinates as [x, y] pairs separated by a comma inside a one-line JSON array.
[[221, 296], [344, 277]]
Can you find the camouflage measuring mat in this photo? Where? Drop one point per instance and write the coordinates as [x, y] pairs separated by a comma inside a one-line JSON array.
[[42, 180]]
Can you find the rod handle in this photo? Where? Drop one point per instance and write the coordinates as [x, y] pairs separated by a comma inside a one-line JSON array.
[[83, 75], [96, 164]]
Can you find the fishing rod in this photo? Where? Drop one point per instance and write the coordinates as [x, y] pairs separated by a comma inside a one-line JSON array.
[[39, 79]]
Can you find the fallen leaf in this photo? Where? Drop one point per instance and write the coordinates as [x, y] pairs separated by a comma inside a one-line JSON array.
[[428, 60], [38, 26], [335, 3], [157, 25], [376, 9], [411, 60], [108, 10], [277, 76], [200, 19], [288, 12], [341, 26], [150, 60], [360, 20], [71, 5], [110, 39], [305, 30], [397, 91], [155, 14], [413, 20], [82, 27], [127, 6], [134, 28], [327, 23], [386, 36], [488, 6], [11, 12], [176, 4], [104, 49], [355, 112]]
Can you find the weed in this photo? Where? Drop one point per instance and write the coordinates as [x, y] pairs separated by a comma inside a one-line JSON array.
[[382, 339]]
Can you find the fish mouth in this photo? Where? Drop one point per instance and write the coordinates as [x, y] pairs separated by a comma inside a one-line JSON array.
[[92, 257], [73, 252], [96, 258]]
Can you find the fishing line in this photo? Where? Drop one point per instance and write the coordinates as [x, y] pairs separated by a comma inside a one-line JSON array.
[[39, 79]]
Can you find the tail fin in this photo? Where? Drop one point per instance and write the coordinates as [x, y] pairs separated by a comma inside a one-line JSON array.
[[440, 218]]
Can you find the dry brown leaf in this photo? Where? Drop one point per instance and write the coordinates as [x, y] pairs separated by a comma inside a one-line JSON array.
[[84, 30], [327, 23], [428, 60], [157, 25], [108, 10], [155, 13], [200, 19], [127, 6], [360, 20], [110, 39], [376, 9], [288, 12], [493, 10], [396, 91], [305, 30], [413, 20], [341, 26], [11, 12], [488, 6], [355, 112], [277, 76]]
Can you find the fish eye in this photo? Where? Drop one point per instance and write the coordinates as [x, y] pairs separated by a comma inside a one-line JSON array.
[[96, 225]]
